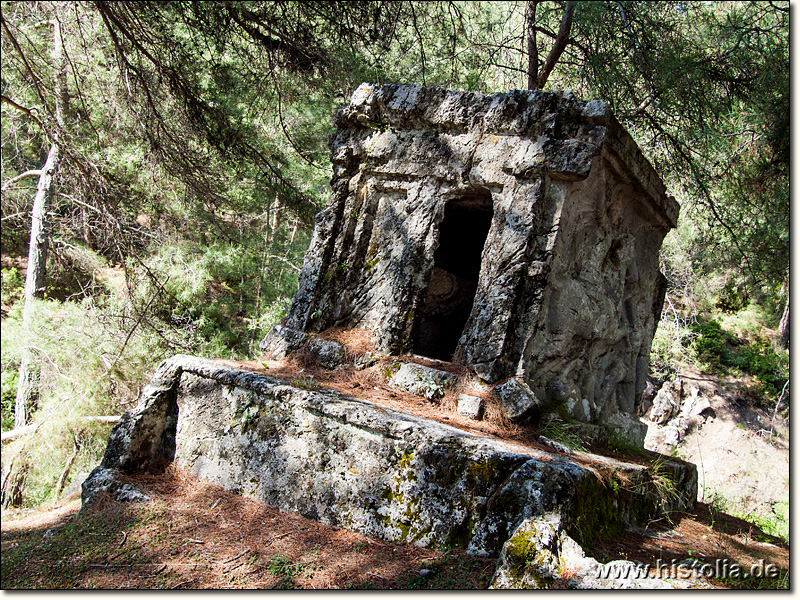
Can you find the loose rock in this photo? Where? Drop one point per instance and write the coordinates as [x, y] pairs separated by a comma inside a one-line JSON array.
[[471, 407]]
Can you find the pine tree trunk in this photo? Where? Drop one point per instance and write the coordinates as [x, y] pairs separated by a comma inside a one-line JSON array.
[[532, 49], [783, 328], [62, 480], [13, 480], [27, 386], [274, 217]]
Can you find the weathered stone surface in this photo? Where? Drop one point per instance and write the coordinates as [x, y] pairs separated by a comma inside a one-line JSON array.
[[557, 446], [517, 398], [103, 481], [367, 468], [281, 341], [328, 354], [518, 232], [652, 386], [666, 402], [623, 575], [629, 428], [422, 380], [145, 435], [74, 489], [702, 405], [365, 360], [694, 405], [530, 557], [471, 407], [541, 555]]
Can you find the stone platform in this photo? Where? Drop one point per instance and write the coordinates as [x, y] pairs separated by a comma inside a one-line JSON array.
[[367, 468]]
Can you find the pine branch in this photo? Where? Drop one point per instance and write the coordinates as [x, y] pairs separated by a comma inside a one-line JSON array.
[[21, 176]]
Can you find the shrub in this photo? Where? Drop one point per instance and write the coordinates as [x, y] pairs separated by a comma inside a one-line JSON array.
[[217, 300], [711, 343], [12, 284], [721, 351], [83, 372], [672, 343]]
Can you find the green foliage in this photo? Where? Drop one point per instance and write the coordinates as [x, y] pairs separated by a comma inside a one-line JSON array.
[[286, 570], [660, 482], [721, 351], [305, 381], [760, 359], [12, 284], [189, 124], [563, 433], [81, 373], [10, 376], [672, 343], [220, 299], [712, 344], [59, 560], [732, 298], [757, 583], [773, 520]]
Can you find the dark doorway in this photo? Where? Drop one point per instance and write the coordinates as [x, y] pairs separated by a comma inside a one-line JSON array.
[[454, 280]]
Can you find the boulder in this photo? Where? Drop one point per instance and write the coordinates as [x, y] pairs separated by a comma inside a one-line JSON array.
[[627, 428], [666, 402], [530, 557], [365, 360], [326, 353], [517, 399], [102, 482], [541, 555], [281, 341], [421, 380]]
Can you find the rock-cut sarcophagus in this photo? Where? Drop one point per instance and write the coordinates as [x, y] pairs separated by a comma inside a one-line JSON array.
[[517, 234]]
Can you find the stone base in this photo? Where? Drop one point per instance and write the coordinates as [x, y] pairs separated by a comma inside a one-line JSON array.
[[378, 471]]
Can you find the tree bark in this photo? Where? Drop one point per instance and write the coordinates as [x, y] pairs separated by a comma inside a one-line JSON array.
[[783, 328], [13, 482], [558, 46], [21, 176], [30, 429], [27, 386], [62, 479], [533, 50], [274, 217]]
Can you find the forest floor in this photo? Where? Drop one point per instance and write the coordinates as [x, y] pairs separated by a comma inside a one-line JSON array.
[[741, 449], [194, 535]]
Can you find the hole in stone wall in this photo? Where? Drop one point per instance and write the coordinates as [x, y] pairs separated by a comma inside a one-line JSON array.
[[454, 280]]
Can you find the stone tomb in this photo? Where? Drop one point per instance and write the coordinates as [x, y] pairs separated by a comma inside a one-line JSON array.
[[517, 234]]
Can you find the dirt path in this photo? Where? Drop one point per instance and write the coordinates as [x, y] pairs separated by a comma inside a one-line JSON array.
[[741, 452]]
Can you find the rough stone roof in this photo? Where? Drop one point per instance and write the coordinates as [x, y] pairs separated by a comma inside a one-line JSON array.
[[565, 125]]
